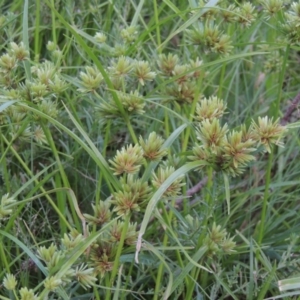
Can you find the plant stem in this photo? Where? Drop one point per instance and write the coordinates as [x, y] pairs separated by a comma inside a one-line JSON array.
[[165, 243], [157, 25], [37, 29], [131, 131], [117, 257], [275, 113], [64, 179], [28, 171]]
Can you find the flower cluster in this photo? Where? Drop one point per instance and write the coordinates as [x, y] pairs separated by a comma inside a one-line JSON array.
[[10, 284], [160, 177], [6, 206], [42, 86], [230, 151], [102, 213], [128, 76], [244, 13], [218, 242], [133, 103], [103, 251], [52, 256], [134, 194], [208, 32], [183, 88], [290, 27], [211, 39], [272, 7], [130, 158], [152, 147]]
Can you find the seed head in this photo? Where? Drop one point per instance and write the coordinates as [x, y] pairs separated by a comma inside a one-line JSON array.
[[246, 14], [45, 72], [267, 132], [152, 147], [100, 37], [238, 150], [128, 160], [116, 229], [133, 102], [168, 63], [27, 294], [162, 174], [211, 134], [19, 51], [85, 276], [90, 79], [142, 72], [71, 240], [209, 109], [10, 282], [52, 283], [7, 63], [122, 67], [102, 213], [228, 14], [223, 46], [51, 46], [183, 93], [272, 7], [129, 34], [195, 64], [102, 257], [5, 206], [134, 195]]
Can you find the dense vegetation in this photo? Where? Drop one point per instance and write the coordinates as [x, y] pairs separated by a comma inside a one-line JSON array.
[[149, 149]]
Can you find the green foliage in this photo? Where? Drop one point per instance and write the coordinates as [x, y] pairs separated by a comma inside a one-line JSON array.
[[139, 149]]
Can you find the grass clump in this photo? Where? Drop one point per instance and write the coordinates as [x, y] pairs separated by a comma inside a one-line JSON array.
[[139, 150]]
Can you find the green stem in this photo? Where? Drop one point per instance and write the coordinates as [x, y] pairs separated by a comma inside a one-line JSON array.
[[37, 29], [275, 114], [28, 171], [99, 183], [221, 81], [265, 200], [281, 80], [167, 126], [4, 166], [209, 186], [127, 282], [160, 272], [64, 179], [165, 243], [191, 114], [131, 131], [3, 258], [53, 23], [96, 294], [108, 16], [157, 26], [196, 272], [117, 257]]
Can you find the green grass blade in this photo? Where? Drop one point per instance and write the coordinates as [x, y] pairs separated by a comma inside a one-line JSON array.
[[26, 250], [157, 196], [92, 151], [289, 284], [227, 191], [179, 279], [25, 36], [160, 256]]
